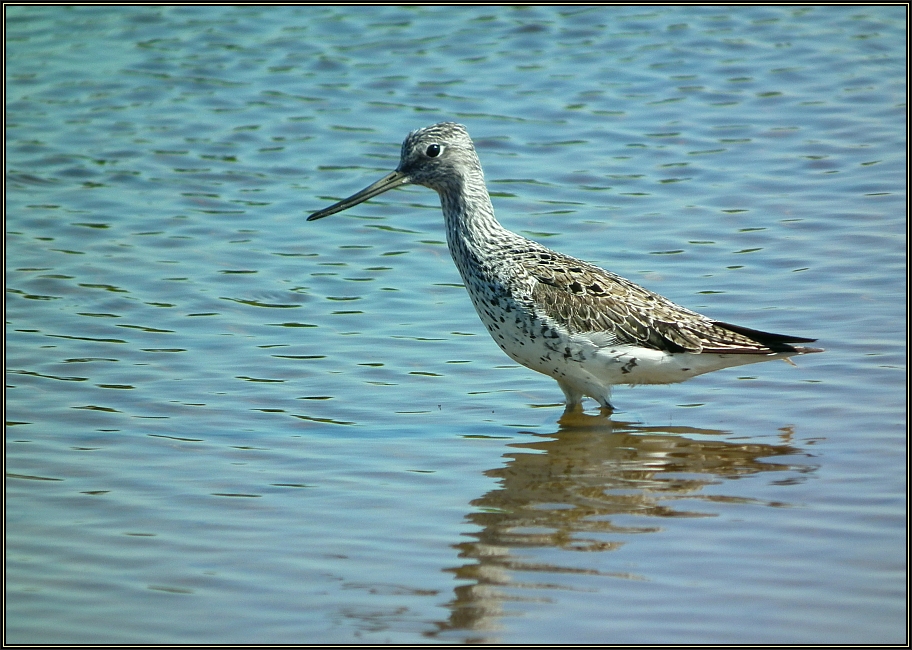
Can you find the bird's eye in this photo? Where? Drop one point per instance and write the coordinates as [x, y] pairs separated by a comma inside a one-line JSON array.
[[433, 150]]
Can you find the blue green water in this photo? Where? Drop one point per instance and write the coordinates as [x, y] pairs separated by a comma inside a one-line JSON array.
[[225, 424]]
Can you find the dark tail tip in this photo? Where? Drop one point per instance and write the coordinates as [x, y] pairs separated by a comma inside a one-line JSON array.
[[775, 342]]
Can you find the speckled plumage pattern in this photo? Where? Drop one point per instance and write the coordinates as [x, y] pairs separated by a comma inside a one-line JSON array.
[[586, 327]]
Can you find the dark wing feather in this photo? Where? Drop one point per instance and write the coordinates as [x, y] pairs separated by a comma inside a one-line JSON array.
[[585, 298]]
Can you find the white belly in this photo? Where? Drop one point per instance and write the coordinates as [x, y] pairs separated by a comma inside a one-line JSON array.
[[586, 364]]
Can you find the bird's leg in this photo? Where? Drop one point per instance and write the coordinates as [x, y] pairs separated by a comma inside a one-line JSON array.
[[574, 398], [605, 406]]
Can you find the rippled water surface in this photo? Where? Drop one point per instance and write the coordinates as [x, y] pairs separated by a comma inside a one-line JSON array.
[[226, 424]]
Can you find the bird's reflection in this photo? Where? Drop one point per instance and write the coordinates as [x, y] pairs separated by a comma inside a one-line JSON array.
[[589, 487]]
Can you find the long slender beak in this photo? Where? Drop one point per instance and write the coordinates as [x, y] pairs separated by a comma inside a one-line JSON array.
[[389, 182]]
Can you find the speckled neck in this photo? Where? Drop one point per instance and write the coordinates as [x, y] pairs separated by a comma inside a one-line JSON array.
[[473, 232]]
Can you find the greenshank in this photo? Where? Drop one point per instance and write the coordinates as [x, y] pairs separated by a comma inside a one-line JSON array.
[[587, 328]]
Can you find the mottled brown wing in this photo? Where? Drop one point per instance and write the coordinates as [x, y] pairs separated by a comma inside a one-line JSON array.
[[587, 299]]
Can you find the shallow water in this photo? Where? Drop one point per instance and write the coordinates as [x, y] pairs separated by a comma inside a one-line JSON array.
[[225, 424]]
